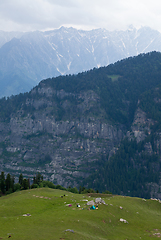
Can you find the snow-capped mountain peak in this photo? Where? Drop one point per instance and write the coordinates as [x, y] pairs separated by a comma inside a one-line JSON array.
[[38, 55]]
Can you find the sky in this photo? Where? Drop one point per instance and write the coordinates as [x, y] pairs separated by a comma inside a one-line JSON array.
[[31, 15]]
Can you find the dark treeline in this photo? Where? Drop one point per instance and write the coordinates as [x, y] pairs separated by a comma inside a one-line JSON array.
[[8, 185]]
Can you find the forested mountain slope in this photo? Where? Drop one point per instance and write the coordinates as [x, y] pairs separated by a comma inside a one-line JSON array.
[[99, 128]]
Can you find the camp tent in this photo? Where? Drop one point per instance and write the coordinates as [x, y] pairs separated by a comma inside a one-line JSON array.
[[92, 208]]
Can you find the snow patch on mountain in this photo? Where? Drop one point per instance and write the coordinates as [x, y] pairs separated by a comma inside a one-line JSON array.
[[69, 65], [37, 55]]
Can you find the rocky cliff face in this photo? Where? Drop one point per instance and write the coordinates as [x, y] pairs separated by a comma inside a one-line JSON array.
[[141, 130], [60, 149], [64, 150], [141, 126]]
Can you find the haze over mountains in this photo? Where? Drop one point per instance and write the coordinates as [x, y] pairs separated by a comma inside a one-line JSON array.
[[27, 58]]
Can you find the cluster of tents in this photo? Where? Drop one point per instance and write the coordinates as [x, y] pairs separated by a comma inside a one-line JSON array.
[[97, 201], [91, 203]]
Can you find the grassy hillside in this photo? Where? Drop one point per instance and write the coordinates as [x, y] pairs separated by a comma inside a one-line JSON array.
[[50, 217]]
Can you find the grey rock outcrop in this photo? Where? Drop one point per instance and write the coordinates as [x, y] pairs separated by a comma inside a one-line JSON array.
[[60, 149]]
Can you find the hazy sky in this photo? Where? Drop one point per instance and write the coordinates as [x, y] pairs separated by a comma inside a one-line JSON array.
[[29, 15]]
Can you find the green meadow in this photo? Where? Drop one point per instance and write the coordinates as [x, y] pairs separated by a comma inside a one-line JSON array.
[[48, 216], [114, 77]]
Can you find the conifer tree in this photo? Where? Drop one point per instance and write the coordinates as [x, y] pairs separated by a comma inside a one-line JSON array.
[[25, 184], [2, 182], [8, 182], [20, 179]]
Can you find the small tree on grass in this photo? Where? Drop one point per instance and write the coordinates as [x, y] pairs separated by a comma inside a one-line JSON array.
[[25, 184], [17, 187], [20, 179], [2, 182], [28, 182], [12, 183], [73, 190], [38, 179], [8, 182]]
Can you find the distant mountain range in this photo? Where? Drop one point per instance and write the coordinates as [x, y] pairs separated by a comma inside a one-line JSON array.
[[27, 58]]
